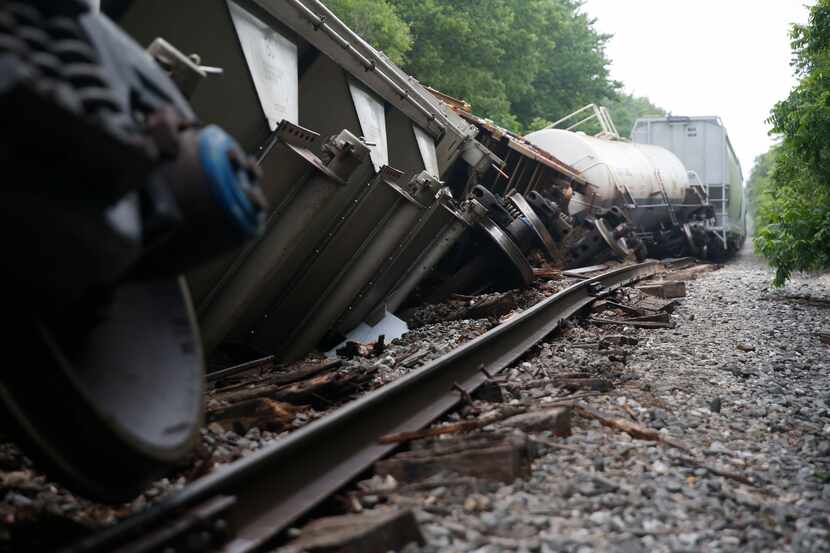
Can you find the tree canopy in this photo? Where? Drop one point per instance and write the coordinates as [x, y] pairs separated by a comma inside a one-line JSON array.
[[521, 63], [791, 195], [759, 181], [378, 22], [627, 108]]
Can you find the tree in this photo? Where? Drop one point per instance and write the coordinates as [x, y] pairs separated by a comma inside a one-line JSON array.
[[793, 218], [513, 60], [377, 22], [459, 48], [521, 63], [625, 109], [793, 208], [760, 180], [574, 70]]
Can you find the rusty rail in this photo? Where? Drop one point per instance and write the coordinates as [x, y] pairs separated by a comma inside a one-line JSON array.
[[247, 505]]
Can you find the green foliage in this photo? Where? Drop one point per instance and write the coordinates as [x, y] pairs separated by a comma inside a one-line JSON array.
[[760, 180], [378, 22], [574, 67], [460, 49], [804, 116], [793, 218], [520, 63], [626, 109], [793, 205], [513, 60]]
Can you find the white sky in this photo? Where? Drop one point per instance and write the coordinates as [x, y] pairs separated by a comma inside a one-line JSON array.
[[705, 57]]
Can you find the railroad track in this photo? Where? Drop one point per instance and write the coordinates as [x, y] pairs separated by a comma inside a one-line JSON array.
[[247, 505]]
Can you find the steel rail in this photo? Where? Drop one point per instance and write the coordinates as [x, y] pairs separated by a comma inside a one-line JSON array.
[[277, 485]]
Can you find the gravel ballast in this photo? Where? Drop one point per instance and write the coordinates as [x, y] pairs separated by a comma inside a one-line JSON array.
[[742, 380]]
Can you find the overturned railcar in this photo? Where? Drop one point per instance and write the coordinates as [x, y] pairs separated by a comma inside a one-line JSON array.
[[369, 177], [351, 150]]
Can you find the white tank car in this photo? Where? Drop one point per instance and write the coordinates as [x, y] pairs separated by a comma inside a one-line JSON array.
[[621, 173]]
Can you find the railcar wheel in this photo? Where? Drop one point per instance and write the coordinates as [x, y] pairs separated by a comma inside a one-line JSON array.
[[111, 406], [618, 245]]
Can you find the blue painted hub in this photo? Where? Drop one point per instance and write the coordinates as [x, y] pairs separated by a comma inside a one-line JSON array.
[[228, 183]]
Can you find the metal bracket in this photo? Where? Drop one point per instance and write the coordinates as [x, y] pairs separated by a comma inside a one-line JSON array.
[[185, 71], [597, 290], [295, 135], [618, 246], [301, 141]]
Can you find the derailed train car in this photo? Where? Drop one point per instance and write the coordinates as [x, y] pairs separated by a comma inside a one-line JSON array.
[[355, 220], [703, 145], [363, 182]]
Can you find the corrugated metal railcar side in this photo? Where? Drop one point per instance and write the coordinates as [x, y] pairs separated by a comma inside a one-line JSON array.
[[703, 145]]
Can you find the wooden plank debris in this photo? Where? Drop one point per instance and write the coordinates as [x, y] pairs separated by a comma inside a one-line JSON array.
[[414, 358], [650, 303], [665, 290], [265, 414], [607, 305], [584, 272], [375, 531], [679, 263], [661, 317], [495, 306], [690, 273], [632, 429], [714, 470], [486, 456], [546, 272], [629, 322], [556, 420], [297, 372], [355, 349], [452, 428], [322, 388], [617, 340], [574, 384], [379, 346], [236, 370]]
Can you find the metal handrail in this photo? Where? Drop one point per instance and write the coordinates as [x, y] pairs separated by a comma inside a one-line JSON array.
[[600, 113]]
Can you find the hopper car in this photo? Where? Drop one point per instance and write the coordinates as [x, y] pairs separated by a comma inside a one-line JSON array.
[[703, 145]]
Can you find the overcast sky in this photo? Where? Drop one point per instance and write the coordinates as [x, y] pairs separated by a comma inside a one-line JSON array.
[[705, 57]]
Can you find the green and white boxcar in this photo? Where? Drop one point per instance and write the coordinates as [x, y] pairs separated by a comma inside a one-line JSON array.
[[703, 146]]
